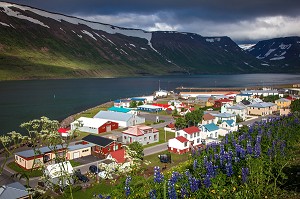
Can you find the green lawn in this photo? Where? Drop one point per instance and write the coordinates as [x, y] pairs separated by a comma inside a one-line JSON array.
[[91, 112], [74, 163], [30, 173]]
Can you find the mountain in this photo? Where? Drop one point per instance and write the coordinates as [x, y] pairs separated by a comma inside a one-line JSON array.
[[246, 46], [38, 44], [283, 52]]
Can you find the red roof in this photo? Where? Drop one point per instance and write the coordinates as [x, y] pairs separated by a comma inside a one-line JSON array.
[[223, 100], [118, 155], [63, 130], [192, 129], [230, 93], [182, 139], [171, 125], [161, 105], [290, 98], [208, 116]]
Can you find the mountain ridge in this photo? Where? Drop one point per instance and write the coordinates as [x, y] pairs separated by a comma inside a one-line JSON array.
[[37, 44]]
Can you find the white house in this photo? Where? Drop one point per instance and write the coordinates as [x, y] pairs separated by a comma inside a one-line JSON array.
[[239, 110], [161, 93], [209, 132], [264, 92], [122, 103], [176, 103], [123, 119], [223, 116], [207, 118], [191, 133], [224, 107], [240, 97], [94, 125], [229, 125], [60, 173], [179, 145], [140, 133]]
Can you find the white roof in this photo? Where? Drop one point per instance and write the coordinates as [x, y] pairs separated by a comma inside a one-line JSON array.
[[115, 116], [92, 122], [59, 169]]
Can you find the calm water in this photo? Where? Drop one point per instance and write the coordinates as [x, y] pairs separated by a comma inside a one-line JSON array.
[[22, 101]]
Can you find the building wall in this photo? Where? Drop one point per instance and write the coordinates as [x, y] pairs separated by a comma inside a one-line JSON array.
[[242, 113], [82, 153], [178, 151], [284, 111], [283, 104], [107, 149], [144, 140], [113, 125], [239, 98], [259, 111], [174, 144], [194, 138], [28, 163]]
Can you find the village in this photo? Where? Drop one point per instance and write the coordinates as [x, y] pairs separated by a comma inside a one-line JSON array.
[[153, 122]]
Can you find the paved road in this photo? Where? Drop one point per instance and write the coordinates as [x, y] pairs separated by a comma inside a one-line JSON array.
[[155, 149]]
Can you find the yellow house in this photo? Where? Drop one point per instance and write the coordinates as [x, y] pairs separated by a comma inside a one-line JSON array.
[[283, 103], [261, 109], [210, 102]]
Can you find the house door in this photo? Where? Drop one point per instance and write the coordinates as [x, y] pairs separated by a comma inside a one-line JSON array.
[[108, 128], [76, 155]]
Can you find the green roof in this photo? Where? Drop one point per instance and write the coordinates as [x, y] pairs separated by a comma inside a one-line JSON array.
[[119, 109]]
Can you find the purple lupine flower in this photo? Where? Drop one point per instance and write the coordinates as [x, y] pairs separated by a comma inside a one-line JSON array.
[[175, 176], [282, 147], [158, 176], [258, 139], [257, 150], [269, 152], [152, 194], [228, 167], [199, 151], [237, 150], [183, 191], [127, 186], [222, 159], [249, 148], [194, 184], [236, 159], [193, 152], [216, 156], [222, 151], [210, 169], [226, 139], [229, 155], [195, 164], [171, 190], [207, 181], [269, 134], [245, 173]]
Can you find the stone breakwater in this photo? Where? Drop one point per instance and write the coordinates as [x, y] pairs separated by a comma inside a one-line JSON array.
[[67, 121]]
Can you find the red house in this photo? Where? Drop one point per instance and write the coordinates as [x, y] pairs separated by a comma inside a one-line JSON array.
[[94, 125], [220, 102], [103, 146]]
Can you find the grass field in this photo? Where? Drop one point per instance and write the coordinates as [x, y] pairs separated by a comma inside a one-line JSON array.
[[29, 173]]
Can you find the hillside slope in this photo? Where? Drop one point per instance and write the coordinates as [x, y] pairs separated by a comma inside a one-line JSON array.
[[40, 44]]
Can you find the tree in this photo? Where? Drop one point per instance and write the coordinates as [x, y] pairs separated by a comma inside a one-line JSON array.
[[140, 103], [138, 150], [180, 123], [133, 104], [295, 106], [194, 117]]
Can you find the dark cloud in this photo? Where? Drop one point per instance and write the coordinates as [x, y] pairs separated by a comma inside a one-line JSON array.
[[206, 17]]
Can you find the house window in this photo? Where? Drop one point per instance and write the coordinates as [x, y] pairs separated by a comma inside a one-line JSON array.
[[86, 150], [178, 133], [155, 137], [149, 137], [198, 140], [185, 135], [191, 136], [185, 144], [16, 158], [211, 135], [216, 134], [116, 147], [198, 134], [125, 137], [145, 138]]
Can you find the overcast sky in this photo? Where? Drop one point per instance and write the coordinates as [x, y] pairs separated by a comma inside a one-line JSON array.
[[245, 21]]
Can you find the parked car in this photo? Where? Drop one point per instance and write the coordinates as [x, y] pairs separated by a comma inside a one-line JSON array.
[[80, 176], [93, 169]]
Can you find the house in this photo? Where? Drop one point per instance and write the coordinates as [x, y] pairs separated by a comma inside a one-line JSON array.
[[264, 92], [238, 109], [175, 103], [29, 159], [122, 103], [201, 100], [161, 93], [60, 174], [229, 125], [122, 110], [170, 127], [205, 93], [140, 133], [209, 131], [163, 106], [189, 110], [224, 107], [240, 97], [219, 103], [102, 146], [284, 111], [64, 132], [117, 156], [149, 108], [283, 103], [219, 117], [207, 118], [231, 95], [210, 102], [140, 99], [192, 134], [14, 190], [123, 119], [179, 145], [261, 109], [78, 151], [94, 125]]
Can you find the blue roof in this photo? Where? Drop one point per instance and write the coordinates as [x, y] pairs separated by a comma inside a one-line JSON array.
[[223, 115], [43, 150], [211, 127], [119, 109], [229, 122], [138, 99], [121, 100], [244, 94]]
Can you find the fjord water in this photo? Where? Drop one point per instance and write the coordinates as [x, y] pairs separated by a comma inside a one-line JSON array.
[[22, 101]]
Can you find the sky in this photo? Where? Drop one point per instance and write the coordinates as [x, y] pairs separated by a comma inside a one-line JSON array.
[[244, 21]]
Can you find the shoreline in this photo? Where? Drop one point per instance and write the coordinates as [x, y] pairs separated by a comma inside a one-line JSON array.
[[67, 121]]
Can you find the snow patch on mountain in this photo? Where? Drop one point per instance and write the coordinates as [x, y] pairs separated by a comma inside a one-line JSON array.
[[269, 52], [132, 45], [13, 13], [277, 58], [89, 34], [4, 24], [143, 48], [283, 46], [246, 46], [212, 39]]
